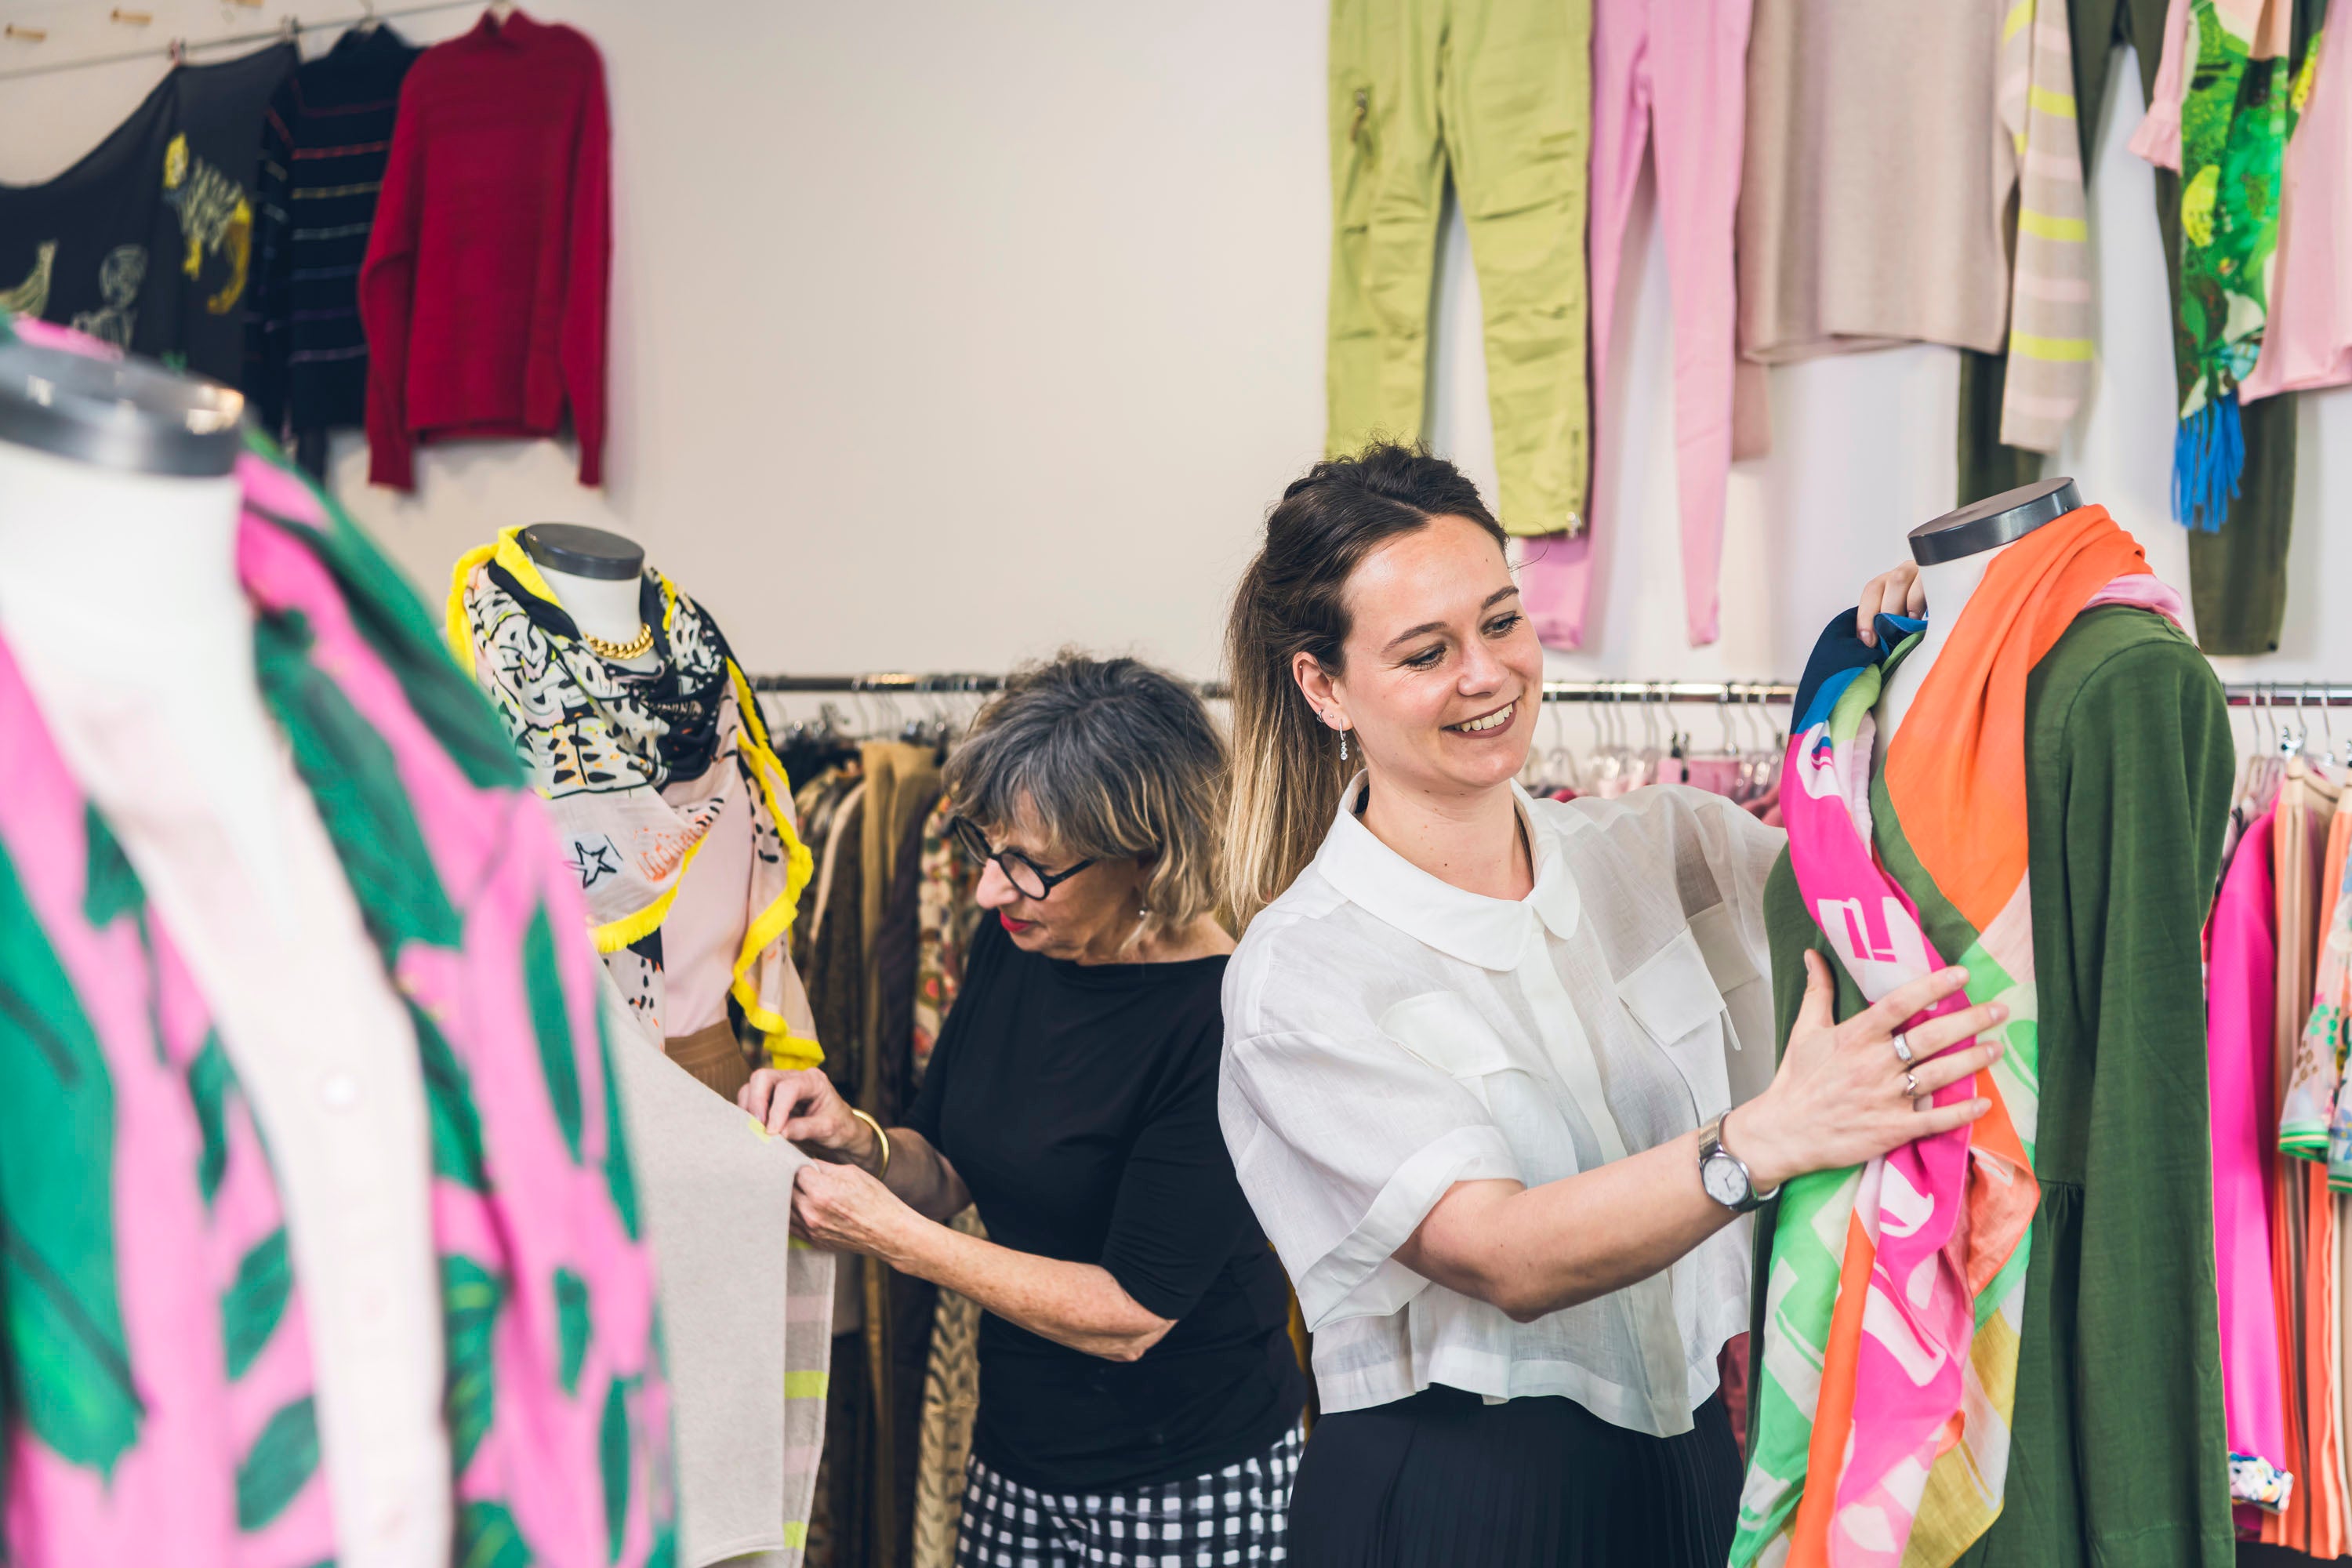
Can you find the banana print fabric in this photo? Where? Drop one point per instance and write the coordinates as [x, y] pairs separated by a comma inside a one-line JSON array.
[[158, 1373]]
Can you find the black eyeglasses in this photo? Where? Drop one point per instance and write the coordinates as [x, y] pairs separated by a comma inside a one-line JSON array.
[[1029, 879]]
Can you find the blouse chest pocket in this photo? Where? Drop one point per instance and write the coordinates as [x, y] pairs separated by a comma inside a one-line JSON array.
[[1449, 1034], [1672, 997]]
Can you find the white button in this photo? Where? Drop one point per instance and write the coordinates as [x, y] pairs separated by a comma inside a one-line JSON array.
[[339, 1090]]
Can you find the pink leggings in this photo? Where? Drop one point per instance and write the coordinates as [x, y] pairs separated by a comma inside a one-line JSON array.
[[1676, 68]]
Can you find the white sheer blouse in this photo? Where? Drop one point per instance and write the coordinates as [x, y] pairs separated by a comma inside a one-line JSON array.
[[1388, 1034]]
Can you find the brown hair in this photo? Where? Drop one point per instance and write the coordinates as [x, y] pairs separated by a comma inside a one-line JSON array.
[[1288, 775], [1111, 759]]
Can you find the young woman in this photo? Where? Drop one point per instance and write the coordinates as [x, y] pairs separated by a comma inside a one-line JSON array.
[[1498, 1074]]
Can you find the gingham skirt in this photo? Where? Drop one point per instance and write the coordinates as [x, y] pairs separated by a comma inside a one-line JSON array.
[[1231, 1516]]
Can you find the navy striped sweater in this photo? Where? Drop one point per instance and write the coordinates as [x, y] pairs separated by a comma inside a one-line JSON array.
[[323, 151]]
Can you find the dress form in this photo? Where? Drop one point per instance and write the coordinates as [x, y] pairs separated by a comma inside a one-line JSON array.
[[1954, 553], [171, 621], [120, 601], [598, 578], [594, 575]]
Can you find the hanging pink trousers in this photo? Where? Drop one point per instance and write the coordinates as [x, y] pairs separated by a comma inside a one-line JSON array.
[[1673, 73]]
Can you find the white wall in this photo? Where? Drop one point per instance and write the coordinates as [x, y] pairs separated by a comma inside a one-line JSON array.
[[945, 333]]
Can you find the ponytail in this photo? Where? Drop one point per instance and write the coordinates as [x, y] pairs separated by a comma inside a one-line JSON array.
[[1286, 772]]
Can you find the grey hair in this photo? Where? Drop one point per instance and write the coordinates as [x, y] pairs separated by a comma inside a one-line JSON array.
[[1111, 759]]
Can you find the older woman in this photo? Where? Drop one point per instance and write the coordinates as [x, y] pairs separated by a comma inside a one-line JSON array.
[[1139, 1398], [1499, 1072]]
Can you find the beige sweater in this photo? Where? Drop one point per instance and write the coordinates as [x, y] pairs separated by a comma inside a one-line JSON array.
[[1876, 178], [747, 1313]]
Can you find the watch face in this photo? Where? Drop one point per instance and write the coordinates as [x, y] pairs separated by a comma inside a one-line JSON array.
[[1725, 1182]]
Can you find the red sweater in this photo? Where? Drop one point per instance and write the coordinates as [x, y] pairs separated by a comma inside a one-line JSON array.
[[486, 288]]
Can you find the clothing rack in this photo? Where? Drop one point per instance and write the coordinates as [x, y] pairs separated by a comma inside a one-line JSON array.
[[2277, 695], [291, 27], [897, 683]]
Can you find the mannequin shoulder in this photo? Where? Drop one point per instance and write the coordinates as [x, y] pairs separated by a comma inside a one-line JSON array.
[[2117, 659]]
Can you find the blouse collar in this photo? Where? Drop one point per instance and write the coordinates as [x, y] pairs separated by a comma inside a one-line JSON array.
[[1492, 933]]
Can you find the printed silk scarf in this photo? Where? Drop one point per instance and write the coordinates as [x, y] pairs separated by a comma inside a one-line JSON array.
[[2235, 120], [2316, 1120], [159, 1377], [636, 770], [1896, 1290]]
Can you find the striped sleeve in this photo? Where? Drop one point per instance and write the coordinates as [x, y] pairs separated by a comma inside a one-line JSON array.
[[2050, 284]]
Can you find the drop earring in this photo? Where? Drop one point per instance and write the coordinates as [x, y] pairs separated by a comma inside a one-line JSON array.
[[1343, 745]]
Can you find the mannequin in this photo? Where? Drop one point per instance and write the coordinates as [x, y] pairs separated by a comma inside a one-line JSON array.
[[172, 620], [1954, 553], [598, 579], [121, 602], [747, 1448], [2055, 826], [595, 576]]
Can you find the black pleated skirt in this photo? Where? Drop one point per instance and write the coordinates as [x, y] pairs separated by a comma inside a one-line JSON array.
[[1443, 1480]]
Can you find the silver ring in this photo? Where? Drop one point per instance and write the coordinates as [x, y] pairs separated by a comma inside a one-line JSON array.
[[1911, 1085], [1902, 1049]]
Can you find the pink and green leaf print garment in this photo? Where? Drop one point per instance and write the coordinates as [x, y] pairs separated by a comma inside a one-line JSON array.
[[158, 1376]]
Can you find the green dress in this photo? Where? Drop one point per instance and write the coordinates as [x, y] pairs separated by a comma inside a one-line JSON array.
[[2119, 1455]]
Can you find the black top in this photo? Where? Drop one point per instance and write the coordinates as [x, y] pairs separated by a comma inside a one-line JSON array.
[[324, 142], [147, 242], [1079, 1104]]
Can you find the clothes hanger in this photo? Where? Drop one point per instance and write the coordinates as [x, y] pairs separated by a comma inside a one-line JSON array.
[[1560, 762]]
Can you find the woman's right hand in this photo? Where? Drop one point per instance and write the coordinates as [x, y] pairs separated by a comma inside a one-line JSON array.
[[1839, 1098], [805, 1108]]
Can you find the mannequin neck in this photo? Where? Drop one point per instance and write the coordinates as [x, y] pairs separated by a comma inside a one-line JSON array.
[[120, 595], [1949, 585], [172, 613], [602, 607]]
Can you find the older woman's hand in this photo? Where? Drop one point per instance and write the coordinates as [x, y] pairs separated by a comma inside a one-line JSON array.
[[1841, 1096], [843, 1209], [805, 1108], [1895, 593]]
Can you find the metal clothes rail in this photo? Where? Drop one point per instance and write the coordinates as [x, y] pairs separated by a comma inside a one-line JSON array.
[[2282, 696], [290, 28], [899, 683]]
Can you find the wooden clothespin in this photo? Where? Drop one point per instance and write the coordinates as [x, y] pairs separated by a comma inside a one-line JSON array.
[[25, 35], [131, 18]]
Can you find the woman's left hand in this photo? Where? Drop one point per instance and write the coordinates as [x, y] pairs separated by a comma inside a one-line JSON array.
[[1895, 593], [843, 1209]]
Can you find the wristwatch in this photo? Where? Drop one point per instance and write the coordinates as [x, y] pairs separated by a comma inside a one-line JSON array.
[[1725, 1175]]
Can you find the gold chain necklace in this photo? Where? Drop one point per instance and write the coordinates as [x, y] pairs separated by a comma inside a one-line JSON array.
[[636, 647]]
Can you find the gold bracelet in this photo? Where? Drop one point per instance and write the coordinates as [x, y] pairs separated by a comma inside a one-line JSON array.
[[884, 1174]]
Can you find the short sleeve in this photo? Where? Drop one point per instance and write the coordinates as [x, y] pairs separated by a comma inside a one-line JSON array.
[[1178, 1216], [973, 1011], [1343, 1146]]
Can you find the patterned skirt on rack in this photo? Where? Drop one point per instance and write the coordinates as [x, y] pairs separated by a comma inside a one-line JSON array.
[[1232, 1515]]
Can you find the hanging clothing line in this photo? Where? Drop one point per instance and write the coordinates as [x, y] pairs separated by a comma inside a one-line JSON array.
[[291, 27], [2277, 695]]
